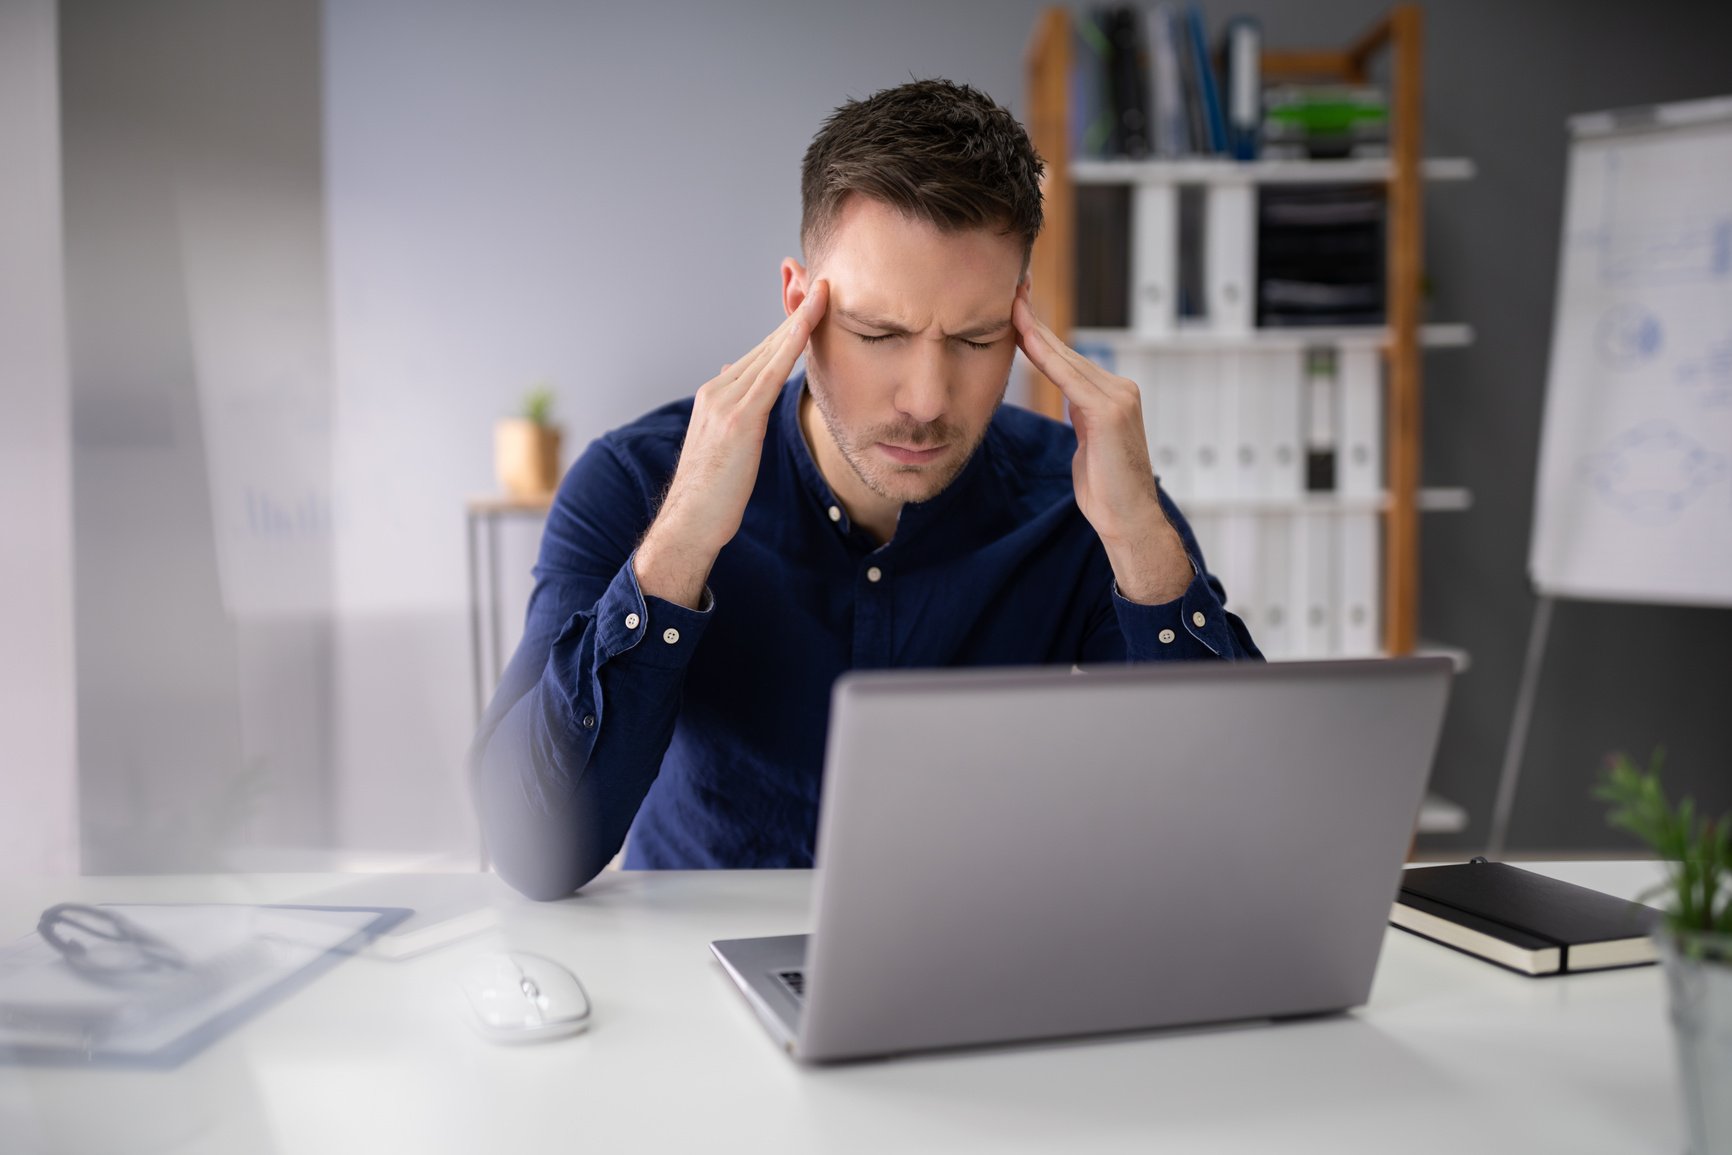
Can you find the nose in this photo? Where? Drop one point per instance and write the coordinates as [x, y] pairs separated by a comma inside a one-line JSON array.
[[923, 391]]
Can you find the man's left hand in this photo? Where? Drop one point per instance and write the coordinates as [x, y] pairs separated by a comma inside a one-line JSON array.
[[1114, 482]]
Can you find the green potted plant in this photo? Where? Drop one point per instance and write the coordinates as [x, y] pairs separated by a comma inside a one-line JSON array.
[[526, 447], [1694, 939]]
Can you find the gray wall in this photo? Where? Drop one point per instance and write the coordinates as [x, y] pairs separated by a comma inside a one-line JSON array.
[[38, 785], [313, 251]]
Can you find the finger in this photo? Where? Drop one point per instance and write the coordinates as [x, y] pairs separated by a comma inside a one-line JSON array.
[[1090, 371], [776, 369], [743, 366], [740, 374], [818, 301], [1043, 348]]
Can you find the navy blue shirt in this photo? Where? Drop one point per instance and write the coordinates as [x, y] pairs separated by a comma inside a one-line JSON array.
[[702, 731]]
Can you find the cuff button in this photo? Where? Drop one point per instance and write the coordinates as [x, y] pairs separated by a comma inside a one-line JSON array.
[[589, 721]]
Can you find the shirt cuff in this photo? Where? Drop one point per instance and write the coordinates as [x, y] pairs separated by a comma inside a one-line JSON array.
[[647, 630], [1193, 625]]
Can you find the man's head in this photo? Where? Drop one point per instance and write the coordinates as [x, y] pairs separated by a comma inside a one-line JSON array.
[[938, 152], [920, 206]]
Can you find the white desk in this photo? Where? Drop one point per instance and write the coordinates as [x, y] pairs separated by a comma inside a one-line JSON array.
[[1451, 1054]]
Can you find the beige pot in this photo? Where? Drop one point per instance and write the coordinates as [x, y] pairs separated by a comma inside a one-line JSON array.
[[526, 457]]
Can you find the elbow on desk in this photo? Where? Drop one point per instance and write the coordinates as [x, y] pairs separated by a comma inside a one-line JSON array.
[[544, 874], [544, 855]]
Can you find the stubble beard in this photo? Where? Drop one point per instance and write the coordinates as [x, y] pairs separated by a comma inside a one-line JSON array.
[[873, 474]]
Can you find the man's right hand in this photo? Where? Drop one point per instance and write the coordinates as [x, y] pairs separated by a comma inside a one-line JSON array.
[[718, 467]]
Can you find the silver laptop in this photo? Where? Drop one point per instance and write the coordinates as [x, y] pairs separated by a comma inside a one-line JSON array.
[[1037, 853]]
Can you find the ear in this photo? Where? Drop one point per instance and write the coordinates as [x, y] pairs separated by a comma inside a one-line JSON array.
[[795, 283]]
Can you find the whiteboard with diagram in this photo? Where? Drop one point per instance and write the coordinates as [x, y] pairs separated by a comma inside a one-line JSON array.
[[1634, 495]]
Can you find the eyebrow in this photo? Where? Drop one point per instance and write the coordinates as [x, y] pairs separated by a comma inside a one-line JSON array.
[[888, 326]]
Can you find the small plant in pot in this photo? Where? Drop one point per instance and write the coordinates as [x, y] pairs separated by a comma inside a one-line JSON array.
[[1695, 938], [526, 447]]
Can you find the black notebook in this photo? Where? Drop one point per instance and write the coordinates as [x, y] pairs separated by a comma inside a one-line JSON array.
[[1522, 920]]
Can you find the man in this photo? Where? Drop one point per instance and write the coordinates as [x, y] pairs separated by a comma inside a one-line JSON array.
[[708, 571]]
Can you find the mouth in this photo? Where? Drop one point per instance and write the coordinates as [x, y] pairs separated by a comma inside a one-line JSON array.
[[905, 456]]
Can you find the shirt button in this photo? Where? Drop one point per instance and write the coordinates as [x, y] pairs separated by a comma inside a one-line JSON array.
[[670, 635], [1167, 636], [874, 574], [589, 721], [631, 621], [835, 513], [1197, 619]]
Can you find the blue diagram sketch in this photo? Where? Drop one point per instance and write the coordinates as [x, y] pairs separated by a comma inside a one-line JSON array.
[[1659, 236], [1627, 336], [1708, 378], [1653, 472]]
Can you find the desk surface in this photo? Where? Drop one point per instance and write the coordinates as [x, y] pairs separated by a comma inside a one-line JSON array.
[[1450, 1054]]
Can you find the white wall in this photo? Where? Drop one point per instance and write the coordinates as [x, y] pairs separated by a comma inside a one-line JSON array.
[[39, 784]]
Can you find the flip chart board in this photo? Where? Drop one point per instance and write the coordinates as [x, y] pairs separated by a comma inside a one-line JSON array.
[[1634, 499]]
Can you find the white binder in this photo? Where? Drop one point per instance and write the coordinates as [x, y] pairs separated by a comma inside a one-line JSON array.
[[1154, 259], [1314, 584], [1322, 402], [1166, 421], [1358, 577], [1359, 450], [1241, 456], [1209, 478], [1276, 414], [1230, 257], [1237, 567], [1274, 632]]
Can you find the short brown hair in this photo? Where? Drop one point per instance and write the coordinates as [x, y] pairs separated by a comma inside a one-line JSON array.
[[940, 152]]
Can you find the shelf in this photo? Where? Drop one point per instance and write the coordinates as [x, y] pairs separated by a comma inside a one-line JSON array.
[[1434, 500], [1380, 170], [1185, 340]]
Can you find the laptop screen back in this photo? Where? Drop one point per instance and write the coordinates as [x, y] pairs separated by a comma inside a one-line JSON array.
[[1020, 854]]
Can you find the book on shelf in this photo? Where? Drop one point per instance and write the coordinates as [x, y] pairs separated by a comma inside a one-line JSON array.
[[1128, 84], [1145, 85], [1242, 86], [1523, 921], [1320, 255]]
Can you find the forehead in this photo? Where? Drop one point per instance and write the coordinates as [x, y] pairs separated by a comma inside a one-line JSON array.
[[881, 260]]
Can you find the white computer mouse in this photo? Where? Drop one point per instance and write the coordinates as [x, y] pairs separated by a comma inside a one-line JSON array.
[[518, 997]]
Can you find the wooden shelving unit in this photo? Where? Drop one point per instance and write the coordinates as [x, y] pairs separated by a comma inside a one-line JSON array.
[[1398, 37]]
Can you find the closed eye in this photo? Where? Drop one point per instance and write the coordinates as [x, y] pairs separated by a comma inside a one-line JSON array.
[[982, 346]]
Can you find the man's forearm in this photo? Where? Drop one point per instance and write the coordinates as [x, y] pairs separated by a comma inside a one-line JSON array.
[[1151, 566], [670, 566]]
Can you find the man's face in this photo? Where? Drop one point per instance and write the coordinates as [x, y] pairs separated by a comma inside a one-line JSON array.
[[914, 352]]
